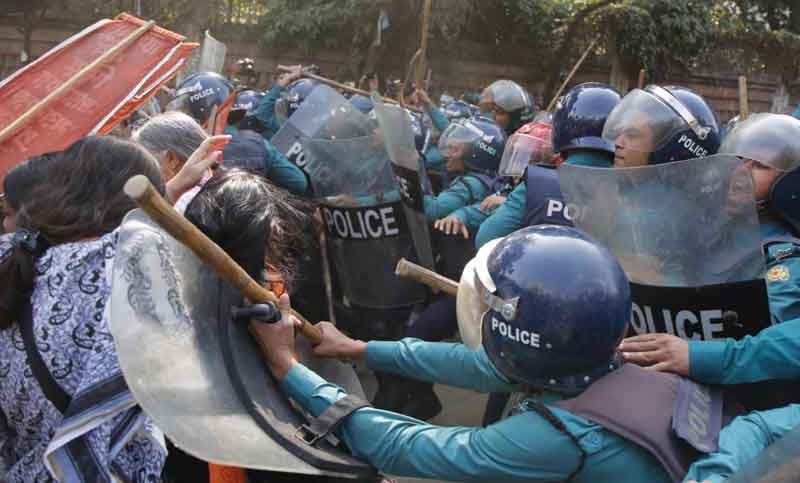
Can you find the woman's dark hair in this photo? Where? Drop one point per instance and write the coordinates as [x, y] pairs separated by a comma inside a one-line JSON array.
[[23, 178], [78, 194], [254, 221]]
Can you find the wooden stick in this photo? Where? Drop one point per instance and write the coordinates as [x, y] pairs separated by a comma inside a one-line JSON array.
[[326, 273], [571, 74], [744, 105], [141, 190], [344, 87], [419, 74], [113, 51], [428, 277], [642, 74]]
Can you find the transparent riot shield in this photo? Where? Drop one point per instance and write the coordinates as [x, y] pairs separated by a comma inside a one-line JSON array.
[[364, 218], [198, 373], [687, 235], [325, 114], [398, 137]]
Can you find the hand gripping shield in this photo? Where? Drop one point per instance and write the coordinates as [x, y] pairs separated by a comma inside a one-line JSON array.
[[198, 373]]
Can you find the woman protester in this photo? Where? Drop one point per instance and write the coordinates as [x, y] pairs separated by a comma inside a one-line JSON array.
[[66, 413]]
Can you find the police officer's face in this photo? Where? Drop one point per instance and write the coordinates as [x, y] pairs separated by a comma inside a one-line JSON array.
[[763, 178], [454, 155], [634, 144]]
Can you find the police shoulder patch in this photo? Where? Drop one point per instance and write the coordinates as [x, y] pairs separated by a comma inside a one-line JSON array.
[[778, 273]]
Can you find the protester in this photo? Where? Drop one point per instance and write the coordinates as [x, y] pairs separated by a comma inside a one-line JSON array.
[[19, 183], [67, 414]]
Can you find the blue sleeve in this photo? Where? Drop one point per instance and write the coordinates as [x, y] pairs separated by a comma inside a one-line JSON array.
[[438, 118], [265, 111], [462, 192], [742, 441], [440, 362], [506, 219], [521, 448], [472, 216], [283, 173], [774, 353]]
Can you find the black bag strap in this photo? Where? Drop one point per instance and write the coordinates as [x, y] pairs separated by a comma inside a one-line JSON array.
[[51, 389], [324, 424]]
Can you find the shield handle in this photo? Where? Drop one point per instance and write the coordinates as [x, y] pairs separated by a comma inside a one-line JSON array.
[[151, 202]]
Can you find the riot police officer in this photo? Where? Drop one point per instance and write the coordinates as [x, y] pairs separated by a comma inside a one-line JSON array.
[[770, 146], [509, 103], [578, 123], [536, 323], [283, 99]]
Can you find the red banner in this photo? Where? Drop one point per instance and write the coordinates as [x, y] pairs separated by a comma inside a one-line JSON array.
[[96, 101]]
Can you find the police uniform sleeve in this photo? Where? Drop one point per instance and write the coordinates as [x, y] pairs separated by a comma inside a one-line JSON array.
[[283, 173], [462, 192], [521, 448], [472, 216], [742, 441], [265, 111], [774, 353], [438, 118], [506, 219], [445, 363]]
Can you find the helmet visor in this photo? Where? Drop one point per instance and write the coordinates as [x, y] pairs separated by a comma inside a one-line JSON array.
[[642, 123], [525, 149], [457, 136], [471, 299], [507, 95]]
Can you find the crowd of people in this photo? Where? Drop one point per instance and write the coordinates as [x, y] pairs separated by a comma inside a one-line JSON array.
[[542, 320]]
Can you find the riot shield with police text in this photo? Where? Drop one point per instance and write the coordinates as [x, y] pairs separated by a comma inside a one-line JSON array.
[[687, 235], [197, 371], [324, 114], [364, 219], [398, 137]]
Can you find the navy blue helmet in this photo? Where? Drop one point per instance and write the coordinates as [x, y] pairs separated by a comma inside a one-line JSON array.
[[580, 115], [552, 305], [295, 94], [458, 110], [478, 141], [199, 93], [247, 101], [362, 103], [664, 123]]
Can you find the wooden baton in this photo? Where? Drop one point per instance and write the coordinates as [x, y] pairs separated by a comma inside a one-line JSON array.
[[344, 87], [142, 191], [570, 75], [744, 104], [428, 277]]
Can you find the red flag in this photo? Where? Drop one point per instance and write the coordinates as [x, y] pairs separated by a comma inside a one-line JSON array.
[[219, 121], [94, 102]]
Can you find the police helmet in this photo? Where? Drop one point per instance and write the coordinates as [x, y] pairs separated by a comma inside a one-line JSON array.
[[580, 115], [362, 103], [664, 123], [199, 93], [479, 141], [531, 144], [244, 105], [549, 305], [772, 140], [511, 98], [457, 110], [295, 94]]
